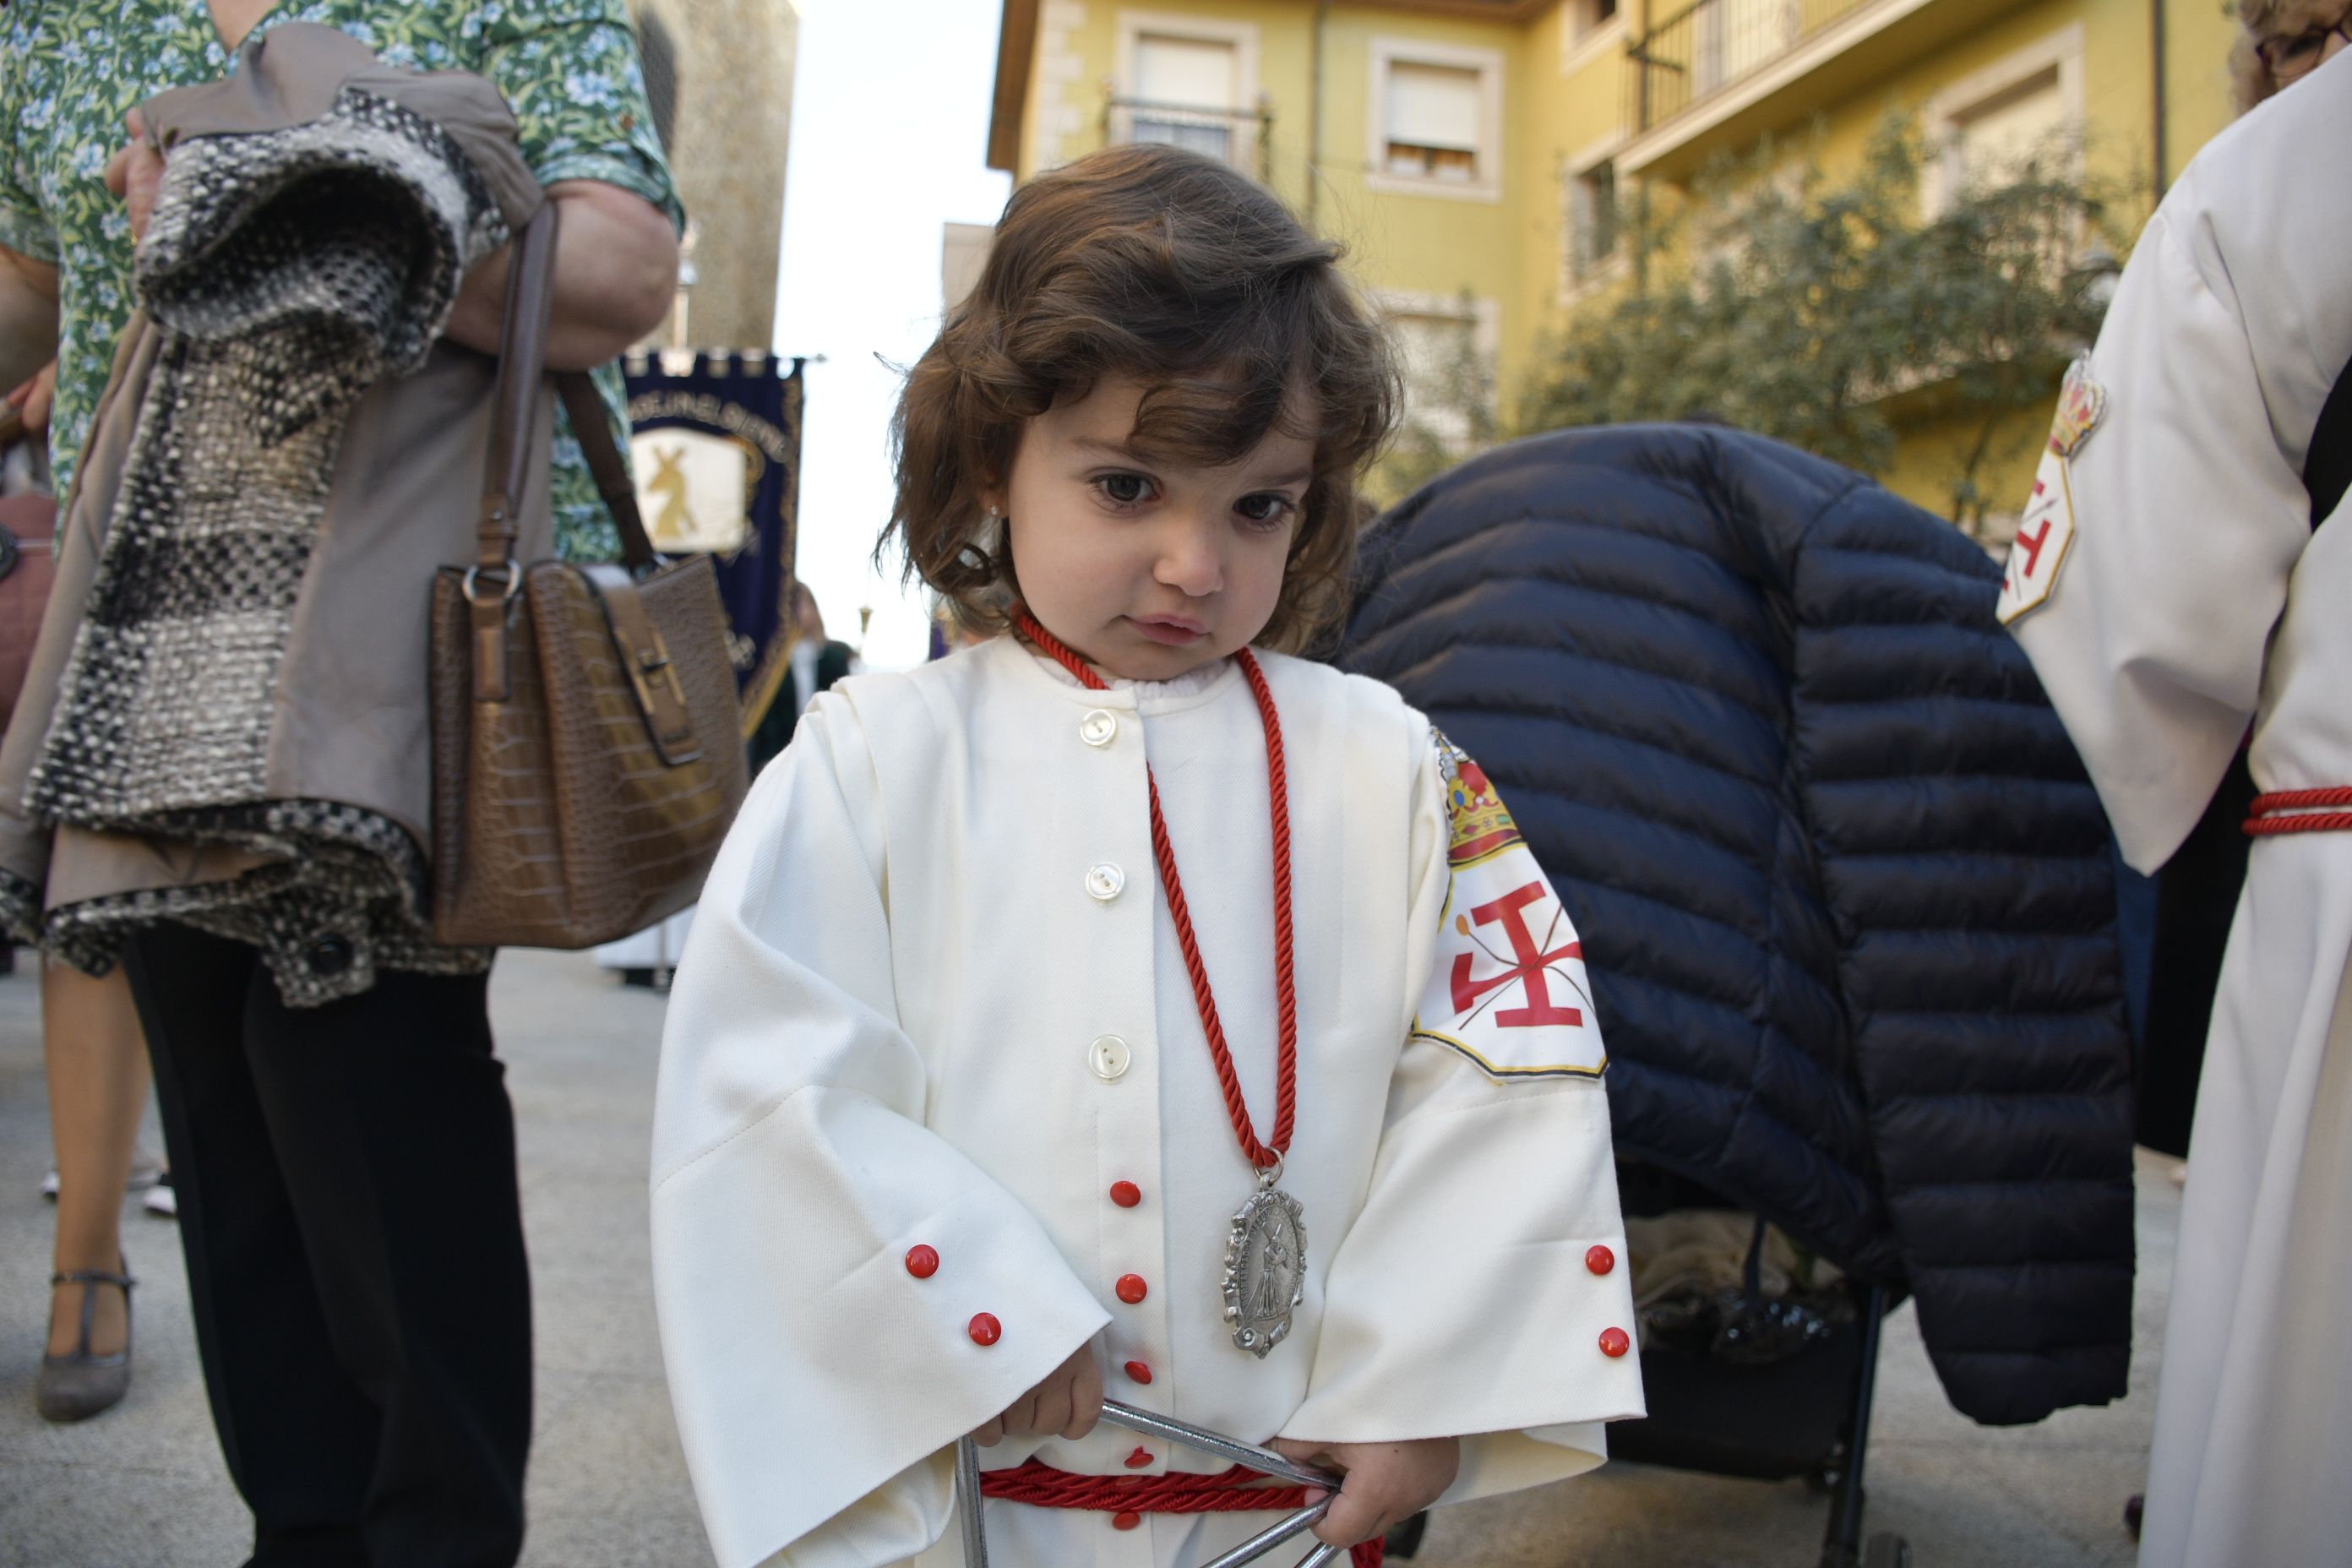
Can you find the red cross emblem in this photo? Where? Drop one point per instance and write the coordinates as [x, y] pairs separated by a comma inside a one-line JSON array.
[[1529, 964], [2031, 544]]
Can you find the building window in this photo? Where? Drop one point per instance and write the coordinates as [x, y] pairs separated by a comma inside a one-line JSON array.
[[1187, 82], [1432, 114], [1992, 127], [1436, 125], [1590, 31], [1592, 221], [1445, 347], [1436, 351], [1994, 142]]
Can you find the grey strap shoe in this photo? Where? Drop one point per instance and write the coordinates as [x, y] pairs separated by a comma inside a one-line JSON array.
[[78, 1385]]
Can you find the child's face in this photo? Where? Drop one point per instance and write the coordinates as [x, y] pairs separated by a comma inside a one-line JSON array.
[[1148, 568]]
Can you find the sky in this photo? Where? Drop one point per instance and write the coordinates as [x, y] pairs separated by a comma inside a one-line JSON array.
[[890, 104]]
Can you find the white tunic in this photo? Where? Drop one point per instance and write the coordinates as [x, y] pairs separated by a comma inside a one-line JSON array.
[[2182, 598], [933, 997]]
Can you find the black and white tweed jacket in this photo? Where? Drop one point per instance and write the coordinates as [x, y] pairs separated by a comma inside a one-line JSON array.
[[286, 272]]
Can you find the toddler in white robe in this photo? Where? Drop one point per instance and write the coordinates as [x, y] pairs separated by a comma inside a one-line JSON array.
[[941, 1145]]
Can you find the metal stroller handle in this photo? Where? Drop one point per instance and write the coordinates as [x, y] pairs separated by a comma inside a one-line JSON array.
[[1266, 1461]]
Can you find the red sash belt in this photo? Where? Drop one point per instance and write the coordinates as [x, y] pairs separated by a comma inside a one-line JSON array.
[[2299, 802], [1128, 1498]]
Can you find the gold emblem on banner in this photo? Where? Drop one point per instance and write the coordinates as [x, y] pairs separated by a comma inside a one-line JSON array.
[[695, 490]]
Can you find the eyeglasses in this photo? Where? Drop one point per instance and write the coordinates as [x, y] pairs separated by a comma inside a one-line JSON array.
[[2289, 56]]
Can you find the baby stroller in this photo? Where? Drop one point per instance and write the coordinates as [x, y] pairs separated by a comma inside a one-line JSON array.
[[1810, 811], [1780, 1388], [1747, 1382]]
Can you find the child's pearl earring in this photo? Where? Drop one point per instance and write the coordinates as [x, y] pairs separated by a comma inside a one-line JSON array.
[[993, 515]]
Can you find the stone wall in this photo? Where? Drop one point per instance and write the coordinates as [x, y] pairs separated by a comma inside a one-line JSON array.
[[720, 74]]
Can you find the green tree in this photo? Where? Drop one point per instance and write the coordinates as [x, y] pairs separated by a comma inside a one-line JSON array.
[[1829, 313]]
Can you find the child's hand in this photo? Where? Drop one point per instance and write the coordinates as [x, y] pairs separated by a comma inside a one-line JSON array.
[[1067, 1403], [1387, 1483]]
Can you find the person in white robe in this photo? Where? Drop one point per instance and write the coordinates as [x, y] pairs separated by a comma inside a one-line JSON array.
[[932, 1054], [2172, 591]]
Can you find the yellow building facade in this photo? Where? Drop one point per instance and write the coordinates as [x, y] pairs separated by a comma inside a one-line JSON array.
[[1473, 154]]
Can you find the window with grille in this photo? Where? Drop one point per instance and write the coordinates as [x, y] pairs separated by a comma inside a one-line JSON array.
[[1184, 93]]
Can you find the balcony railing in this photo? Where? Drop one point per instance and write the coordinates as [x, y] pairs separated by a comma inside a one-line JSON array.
[[1705, 48], [1242, 137]]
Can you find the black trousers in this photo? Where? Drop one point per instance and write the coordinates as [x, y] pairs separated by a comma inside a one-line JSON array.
[[354, 1233]]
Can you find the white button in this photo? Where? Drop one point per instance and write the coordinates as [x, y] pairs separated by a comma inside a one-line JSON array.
[[1109, 1056], [1105, 882], [1098, 728]]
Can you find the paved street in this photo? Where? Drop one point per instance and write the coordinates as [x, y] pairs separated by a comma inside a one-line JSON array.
[[144, 1486]]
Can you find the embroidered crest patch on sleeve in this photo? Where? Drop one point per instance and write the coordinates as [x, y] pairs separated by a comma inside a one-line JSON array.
[[1507, 987], [2046, 532]]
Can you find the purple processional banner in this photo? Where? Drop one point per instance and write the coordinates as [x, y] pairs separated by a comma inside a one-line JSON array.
[[716, 443]]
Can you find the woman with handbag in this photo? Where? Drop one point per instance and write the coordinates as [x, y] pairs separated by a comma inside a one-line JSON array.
[[94, 1059], [242, 820]]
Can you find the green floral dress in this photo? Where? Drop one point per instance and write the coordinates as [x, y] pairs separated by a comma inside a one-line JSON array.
[[70, 71]]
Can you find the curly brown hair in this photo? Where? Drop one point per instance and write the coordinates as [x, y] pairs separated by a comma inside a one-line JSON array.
[[2251, 81], [1174, 269]]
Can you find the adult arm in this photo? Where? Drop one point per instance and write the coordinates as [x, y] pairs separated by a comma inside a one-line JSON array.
[[2187, 518], [28, 244], [615, 264], [615, 276], [568, 70], [28, 317]]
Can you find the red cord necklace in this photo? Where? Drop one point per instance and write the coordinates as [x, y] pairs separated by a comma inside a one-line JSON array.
[[1265, 1252]]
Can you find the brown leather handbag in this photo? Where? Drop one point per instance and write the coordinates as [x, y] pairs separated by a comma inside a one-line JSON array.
[[586, 753]]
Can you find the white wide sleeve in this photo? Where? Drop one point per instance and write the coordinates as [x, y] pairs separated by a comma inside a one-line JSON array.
[[1473, 1293], [2187, 518], [816, 1379]]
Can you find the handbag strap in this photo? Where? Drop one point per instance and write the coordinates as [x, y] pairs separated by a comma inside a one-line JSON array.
[[522, 354], [522, 366], [594, 428], [522, 361]]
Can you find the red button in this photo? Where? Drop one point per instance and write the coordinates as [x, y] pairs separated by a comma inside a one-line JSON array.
[[1131, 1289], [986, 1331], [1140, 1371], [1138, 1459], [922, 1262], [1125, 1520], [1126, 1194], [1613, 1342], [1600, 1259]]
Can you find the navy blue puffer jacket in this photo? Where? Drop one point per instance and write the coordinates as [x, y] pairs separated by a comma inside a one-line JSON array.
[[1844, 891]]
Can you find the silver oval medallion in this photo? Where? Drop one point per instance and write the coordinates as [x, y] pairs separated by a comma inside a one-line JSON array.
[[1265, 1269]]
